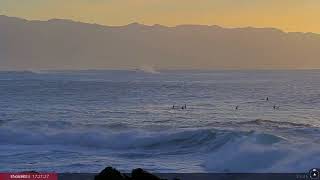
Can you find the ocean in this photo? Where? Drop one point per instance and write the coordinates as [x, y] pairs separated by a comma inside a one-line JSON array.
[[83, 121]]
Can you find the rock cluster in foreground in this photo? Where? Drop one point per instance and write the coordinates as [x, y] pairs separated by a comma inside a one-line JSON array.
[[110, 173]]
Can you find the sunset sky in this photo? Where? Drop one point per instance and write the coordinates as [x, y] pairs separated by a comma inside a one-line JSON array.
[[288, 15]]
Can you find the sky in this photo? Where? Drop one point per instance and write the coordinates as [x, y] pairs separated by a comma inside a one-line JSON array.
[[287, 15]]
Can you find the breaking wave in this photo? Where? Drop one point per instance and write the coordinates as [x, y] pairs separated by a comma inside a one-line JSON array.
[[224, 150], [275, 123], [205, 139]]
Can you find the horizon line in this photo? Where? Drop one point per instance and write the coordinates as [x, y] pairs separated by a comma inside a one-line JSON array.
[[161, 69]]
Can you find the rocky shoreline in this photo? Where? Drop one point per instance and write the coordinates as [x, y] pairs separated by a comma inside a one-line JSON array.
[[111, 173]]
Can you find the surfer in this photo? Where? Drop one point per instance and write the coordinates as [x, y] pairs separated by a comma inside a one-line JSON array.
[[184, 106], [237, 107], [267, 99], [173, 107]]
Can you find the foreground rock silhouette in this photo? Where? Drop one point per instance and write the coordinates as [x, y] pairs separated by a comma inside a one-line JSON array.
[[110, 173]]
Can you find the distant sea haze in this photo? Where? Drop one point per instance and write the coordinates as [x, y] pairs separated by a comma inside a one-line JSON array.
[[64, 44]]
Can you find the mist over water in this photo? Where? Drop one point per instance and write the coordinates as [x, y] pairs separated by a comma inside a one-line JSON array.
[[82, 121], [148, 69]]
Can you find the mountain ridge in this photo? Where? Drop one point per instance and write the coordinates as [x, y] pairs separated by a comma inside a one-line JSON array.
[[154, 25], [67, 44]]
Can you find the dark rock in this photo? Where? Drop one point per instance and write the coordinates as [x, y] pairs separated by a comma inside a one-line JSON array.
[[110, 173], [140, 174]]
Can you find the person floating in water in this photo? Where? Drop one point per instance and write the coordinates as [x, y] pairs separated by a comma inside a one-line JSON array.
[[267, 99], [276, 107], [184, 106]]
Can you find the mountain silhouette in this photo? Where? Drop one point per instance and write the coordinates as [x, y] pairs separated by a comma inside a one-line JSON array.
[[66, 44]]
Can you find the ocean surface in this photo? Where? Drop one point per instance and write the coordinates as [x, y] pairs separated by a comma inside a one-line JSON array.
[[83, 121]]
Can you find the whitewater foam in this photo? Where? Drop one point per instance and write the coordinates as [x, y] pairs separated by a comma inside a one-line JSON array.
[[263, 153]]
